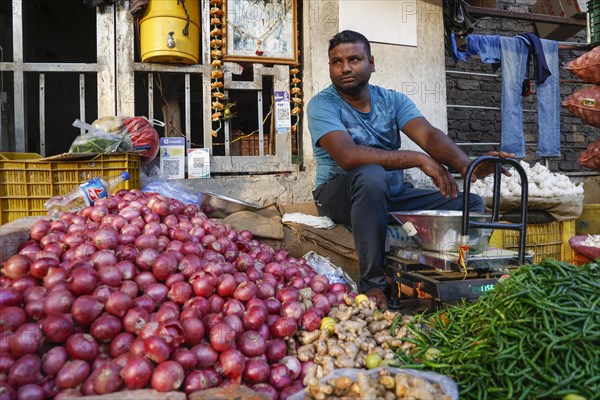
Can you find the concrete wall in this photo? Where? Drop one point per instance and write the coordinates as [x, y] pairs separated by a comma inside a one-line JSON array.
[[417, 71]]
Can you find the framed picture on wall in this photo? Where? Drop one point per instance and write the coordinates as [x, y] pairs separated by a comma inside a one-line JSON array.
[[261, 31]]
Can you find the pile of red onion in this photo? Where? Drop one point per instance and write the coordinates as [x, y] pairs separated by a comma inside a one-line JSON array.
[[141, 291]]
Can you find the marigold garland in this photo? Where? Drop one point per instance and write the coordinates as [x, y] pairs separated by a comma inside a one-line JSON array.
[[296, 100], [216, 74]]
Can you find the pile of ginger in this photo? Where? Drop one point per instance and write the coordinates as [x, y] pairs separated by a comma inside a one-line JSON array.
[[360, 329]]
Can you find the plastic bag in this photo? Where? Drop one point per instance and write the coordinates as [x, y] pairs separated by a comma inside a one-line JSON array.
[[143, 135], [158, 183], [98, 141], [140, 129], [323, 266], [446, 384]]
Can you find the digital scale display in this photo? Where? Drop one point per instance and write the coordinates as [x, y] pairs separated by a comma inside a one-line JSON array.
[[481, 289]]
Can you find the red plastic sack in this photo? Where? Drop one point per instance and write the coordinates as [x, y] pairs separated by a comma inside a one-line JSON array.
[[587, 66], [576, 243], [585, 104], [142, 133]]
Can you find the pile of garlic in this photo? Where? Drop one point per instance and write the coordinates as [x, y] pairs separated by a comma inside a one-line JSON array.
[[592, 241], [541, 183]]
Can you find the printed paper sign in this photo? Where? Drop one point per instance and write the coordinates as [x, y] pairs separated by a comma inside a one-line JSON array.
[[172, 157], [283, 116], [198, 163]]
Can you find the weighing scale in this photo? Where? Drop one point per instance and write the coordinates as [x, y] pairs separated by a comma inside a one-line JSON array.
[[447, 277]]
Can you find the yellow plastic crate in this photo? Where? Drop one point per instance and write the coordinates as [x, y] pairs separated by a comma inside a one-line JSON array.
[[26, 182], [543, 240]]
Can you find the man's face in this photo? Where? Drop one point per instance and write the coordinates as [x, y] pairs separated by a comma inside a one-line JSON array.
[[350, 67]]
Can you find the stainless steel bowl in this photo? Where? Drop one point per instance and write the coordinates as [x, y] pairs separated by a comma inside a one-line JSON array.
[[218, 206], [440, 230]]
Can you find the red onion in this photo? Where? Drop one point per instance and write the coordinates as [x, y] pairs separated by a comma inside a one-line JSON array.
[[232, 363], [54, 360], [136, 373], [226, 285], [40, 267], [264, 290], [280, 376], [164, 265], [186, 358], [206, 355], [292, 309], [145, 258], [83, 281], [85, 310], [118, 304], [72, 374], [39, 229], [57, 327], [31, 392], [276, 350], [256, 371], [255, 316], [251, 344], [55, 276], [108, 379], [222, 336], [130, 288], [267, 390], [105, 328], [180, 292], [293, 365], [288, 294], [26, 369], [193, 330], [245, 291], [311, 320], [106, 238], [82, 346], [156, 349], [11, 318], [167, 376], [6, 361], [135, 319], [16, 266], [26, 340]]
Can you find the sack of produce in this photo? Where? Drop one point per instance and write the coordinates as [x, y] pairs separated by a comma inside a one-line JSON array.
[[585, 104], [378, 382], [587, 66], [98, 141], [141, 131]]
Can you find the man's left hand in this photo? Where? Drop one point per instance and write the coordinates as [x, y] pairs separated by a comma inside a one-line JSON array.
[[486, 168]]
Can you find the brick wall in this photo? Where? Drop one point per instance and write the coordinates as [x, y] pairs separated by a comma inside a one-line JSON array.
[[475, 125]]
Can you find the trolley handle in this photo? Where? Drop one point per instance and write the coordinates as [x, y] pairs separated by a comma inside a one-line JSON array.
[[522, 226]]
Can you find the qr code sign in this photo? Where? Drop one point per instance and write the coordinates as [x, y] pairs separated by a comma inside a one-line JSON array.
[[172, 168]]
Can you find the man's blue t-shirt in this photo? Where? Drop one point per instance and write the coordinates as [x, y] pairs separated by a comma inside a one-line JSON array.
[[379, 128]]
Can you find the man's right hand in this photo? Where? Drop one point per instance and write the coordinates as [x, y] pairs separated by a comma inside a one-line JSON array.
[[440, 176]]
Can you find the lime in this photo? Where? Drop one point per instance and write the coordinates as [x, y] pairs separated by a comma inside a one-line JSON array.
[[328, 323], [373, 360], [573, 396], [360, 298]]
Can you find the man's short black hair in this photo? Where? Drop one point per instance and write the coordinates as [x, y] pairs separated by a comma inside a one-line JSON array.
[[349, 36]]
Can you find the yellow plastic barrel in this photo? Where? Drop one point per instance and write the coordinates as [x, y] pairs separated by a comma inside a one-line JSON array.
[[162, 28]]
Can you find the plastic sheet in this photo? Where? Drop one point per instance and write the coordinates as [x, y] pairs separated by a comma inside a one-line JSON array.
[[158, 183], [323, 266]]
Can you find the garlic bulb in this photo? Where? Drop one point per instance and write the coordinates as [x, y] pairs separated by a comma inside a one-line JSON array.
[[541, 183]]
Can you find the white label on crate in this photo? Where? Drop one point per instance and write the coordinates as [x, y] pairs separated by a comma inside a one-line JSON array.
[[198, 163], [283, 116], [172, 157]]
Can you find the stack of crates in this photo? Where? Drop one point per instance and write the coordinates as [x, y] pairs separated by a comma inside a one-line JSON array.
[[550, 240], [27, 180]]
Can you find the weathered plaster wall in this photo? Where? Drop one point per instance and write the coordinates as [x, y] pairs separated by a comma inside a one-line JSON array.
[[417, 71]]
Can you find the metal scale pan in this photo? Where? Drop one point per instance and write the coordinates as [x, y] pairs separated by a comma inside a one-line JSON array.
[[435, 266]]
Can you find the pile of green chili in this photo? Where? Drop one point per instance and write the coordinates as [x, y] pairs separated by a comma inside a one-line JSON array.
[[536, 335]]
